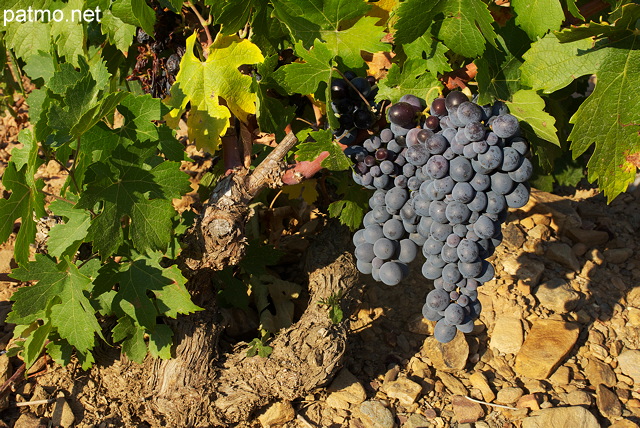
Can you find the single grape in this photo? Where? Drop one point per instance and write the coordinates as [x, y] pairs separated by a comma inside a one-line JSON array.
[[499, 108], [432, 123], [470, 270], [491, 159], [432, 246], [469, 112], [495, 203], [437, 211], [444, 332], [401, 114], [408, 251], [463, 300], [440, 231], [519, 197], [411, 139], [385, 248], [454, 99], [387, 167], [449, 254], [372, 233], [418, 239], [466, 326], [417, 155], [363, 119], [501, 183], [463, 192], [438, 107], [460, 169], [430, 314], [450, 273], [468, 152], [511, 159], [431, 272], [438, 299], [391, 273], [480, 182], [393, 229], [437, 166], [478, 204], [396, 198], [523, 172], [400, 181], [436, 261], [377, 199], [457, 213], [480, 147], [380, 214], [453, 240], [338, 89], [364, 267], [437, 144], [468, 251], [414, 183], [375, 171], [412, 100], [505, 126], [367, 180], [454, 314], [474, 131], [408, 170], [520, 145], [386, 135], [443, 186], [487, 272], [368, 220], [365, 252], [362, 85]]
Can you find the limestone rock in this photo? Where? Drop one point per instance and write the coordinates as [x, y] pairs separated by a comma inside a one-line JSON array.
[[624, 423], [561, 417], [528, 401], [590, 238], [600, 373], [513, 236], [525, 268], [374, 415], [345, 388], [452, 383], [558, 296], [579, 398], [403, 390], [278, 413], [607, 402], [507, 335], [629, 361], [447, 356], [416, 421], [618, 255], [564, 215], [540, 232], [545, 347], [466, 411], [479, 381], [563, 254], [562, 376], [27, 420], [62, 413], [509, 395]]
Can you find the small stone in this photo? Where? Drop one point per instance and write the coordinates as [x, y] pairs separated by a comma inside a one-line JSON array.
[[596, 256], [525, 268], [403, 390], [479, 381], [600, 373], [527, 223], [558, 296], [540, 232], [579, 398], [633, 297], [629, 362], [278, 413], [509, 395], [624, 423], [579, 249], [452, 383], [561, 417], [545, 347], [590, 238], [450, 356], [618, 255], [513, 236], [416, 420], [562, 253], [528, 401], [507, 335], [62, 413], [633, 315], [562, 376], [374, 415], [27, 420], [608, 402], [345, 388], [466, 411]]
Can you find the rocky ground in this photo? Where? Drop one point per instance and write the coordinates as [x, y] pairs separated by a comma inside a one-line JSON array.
[[557, 344]]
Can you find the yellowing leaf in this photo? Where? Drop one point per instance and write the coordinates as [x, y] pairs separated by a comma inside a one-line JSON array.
[[382, 8], [204, 84], [305, 190]]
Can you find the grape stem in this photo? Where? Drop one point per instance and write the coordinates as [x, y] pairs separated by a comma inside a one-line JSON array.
[[204, 24]]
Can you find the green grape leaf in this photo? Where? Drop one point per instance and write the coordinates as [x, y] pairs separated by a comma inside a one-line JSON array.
[[414, 18], [573, 9], [26, 37], [610, 119], [258, 256], [67, 36], [139, 112], [354, 202], [528, 107], [119, 33], [498, 73], [235, 15], [136, 13], [132, 336], [322, 141], [537, 17], [40, 65], [304, 78], [60, 288], [432, 51], [334, 22], [231, 291], [34, 344], [624, 25], [466, 26], [161, 341], [268, 33], [550, 65], [65, 238], [202, 83], [413, 79], [25, 200], [60, 351], [131, 190], [136, 279]]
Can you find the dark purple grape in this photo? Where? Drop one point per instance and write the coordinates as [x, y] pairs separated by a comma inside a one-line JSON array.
[[523, 172], [437, 166], [401, 114], [469, 112], [362, 85], [438, 107], [386, 135], [505, 126], [391, 273], [432, 123], [339, 89], [412, 100], [363, 119], [454, 99], [438, 299], [437, 144]]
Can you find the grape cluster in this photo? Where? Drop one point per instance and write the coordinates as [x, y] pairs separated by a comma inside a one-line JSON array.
[[348, 98], [443, 182]]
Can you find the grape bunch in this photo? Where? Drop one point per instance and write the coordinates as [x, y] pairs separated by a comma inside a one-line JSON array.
[[353, 103], [443, 182]]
